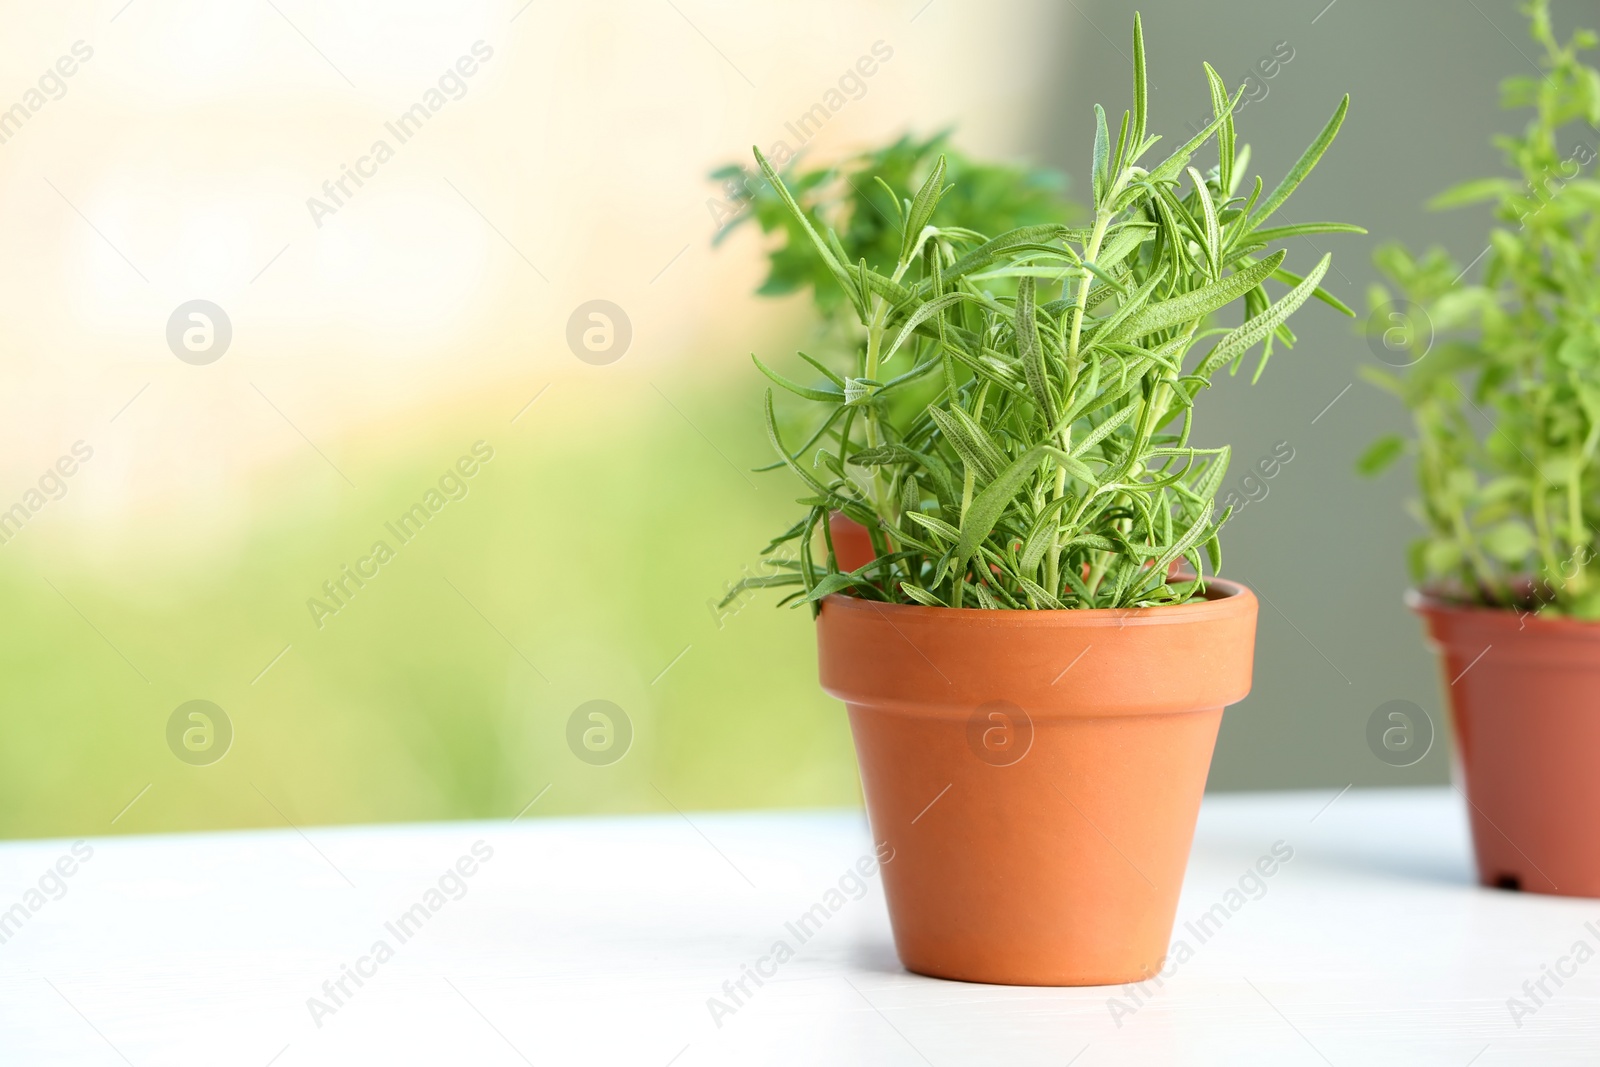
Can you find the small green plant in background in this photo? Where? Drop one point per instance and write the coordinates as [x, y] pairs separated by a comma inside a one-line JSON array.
[[1047, 461], [856, 198], [1504, 377]]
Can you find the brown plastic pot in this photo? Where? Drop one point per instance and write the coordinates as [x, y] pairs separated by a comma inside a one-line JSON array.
[[1524, 696], [1036, 774]]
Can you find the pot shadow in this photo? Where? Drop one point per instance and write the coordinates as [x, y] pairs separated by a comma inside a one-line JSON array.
[[1407, 834], [1431, 865], [875, 956], [1436, 859]]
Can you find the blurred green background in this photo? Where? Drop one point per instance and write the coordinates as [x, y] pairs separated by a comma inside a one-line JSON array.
[[585, 558], [582, 564]]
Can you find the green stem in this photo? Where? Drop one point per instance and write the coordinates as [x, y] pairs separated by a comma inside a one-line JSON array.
[[967, 485], [886, 508], [1091, 251], [1479, 562], [880, 312], [1579, 533], [1432, 471]]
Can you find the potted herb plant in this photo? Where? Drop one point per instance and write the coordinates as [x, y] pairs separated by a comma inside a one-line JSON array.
[[1034, 698], [856, 198], [1503, 385]]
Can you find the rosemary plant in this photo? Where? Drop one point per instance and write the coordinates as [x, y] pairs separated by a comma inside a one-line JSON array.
[[1504, 381], [1049, 464]]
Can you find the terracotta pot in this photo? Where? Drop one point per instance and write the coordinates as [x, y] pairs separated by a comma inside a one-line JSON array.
[[1037, 774], [1524, 697]]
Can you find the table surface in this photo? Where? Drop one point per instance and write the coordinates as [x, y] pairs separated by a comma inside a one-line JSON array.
[[603, 940]]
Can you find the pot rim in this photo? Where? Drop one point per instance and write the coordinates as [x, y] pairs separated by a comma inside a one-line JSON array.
[[943, 661], [1435, 603], [1223, 598]]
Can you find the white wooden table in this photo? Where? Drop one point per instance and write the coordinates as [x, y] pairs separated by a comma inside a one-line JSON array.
[[600, 941]]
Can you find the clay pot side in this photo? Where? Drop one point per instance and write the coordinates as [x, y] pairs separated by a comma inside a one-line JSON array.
[[1037, 774], [1524, 696]]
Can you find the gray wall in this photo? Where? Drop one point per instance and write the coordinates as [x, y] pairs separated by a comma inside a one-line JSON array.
[[1324, 549]]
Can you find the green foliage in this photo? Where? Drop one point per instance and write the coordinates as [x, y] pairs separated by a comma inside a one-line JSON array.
[[1504, 382], [1047, 462], [856, 198]]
